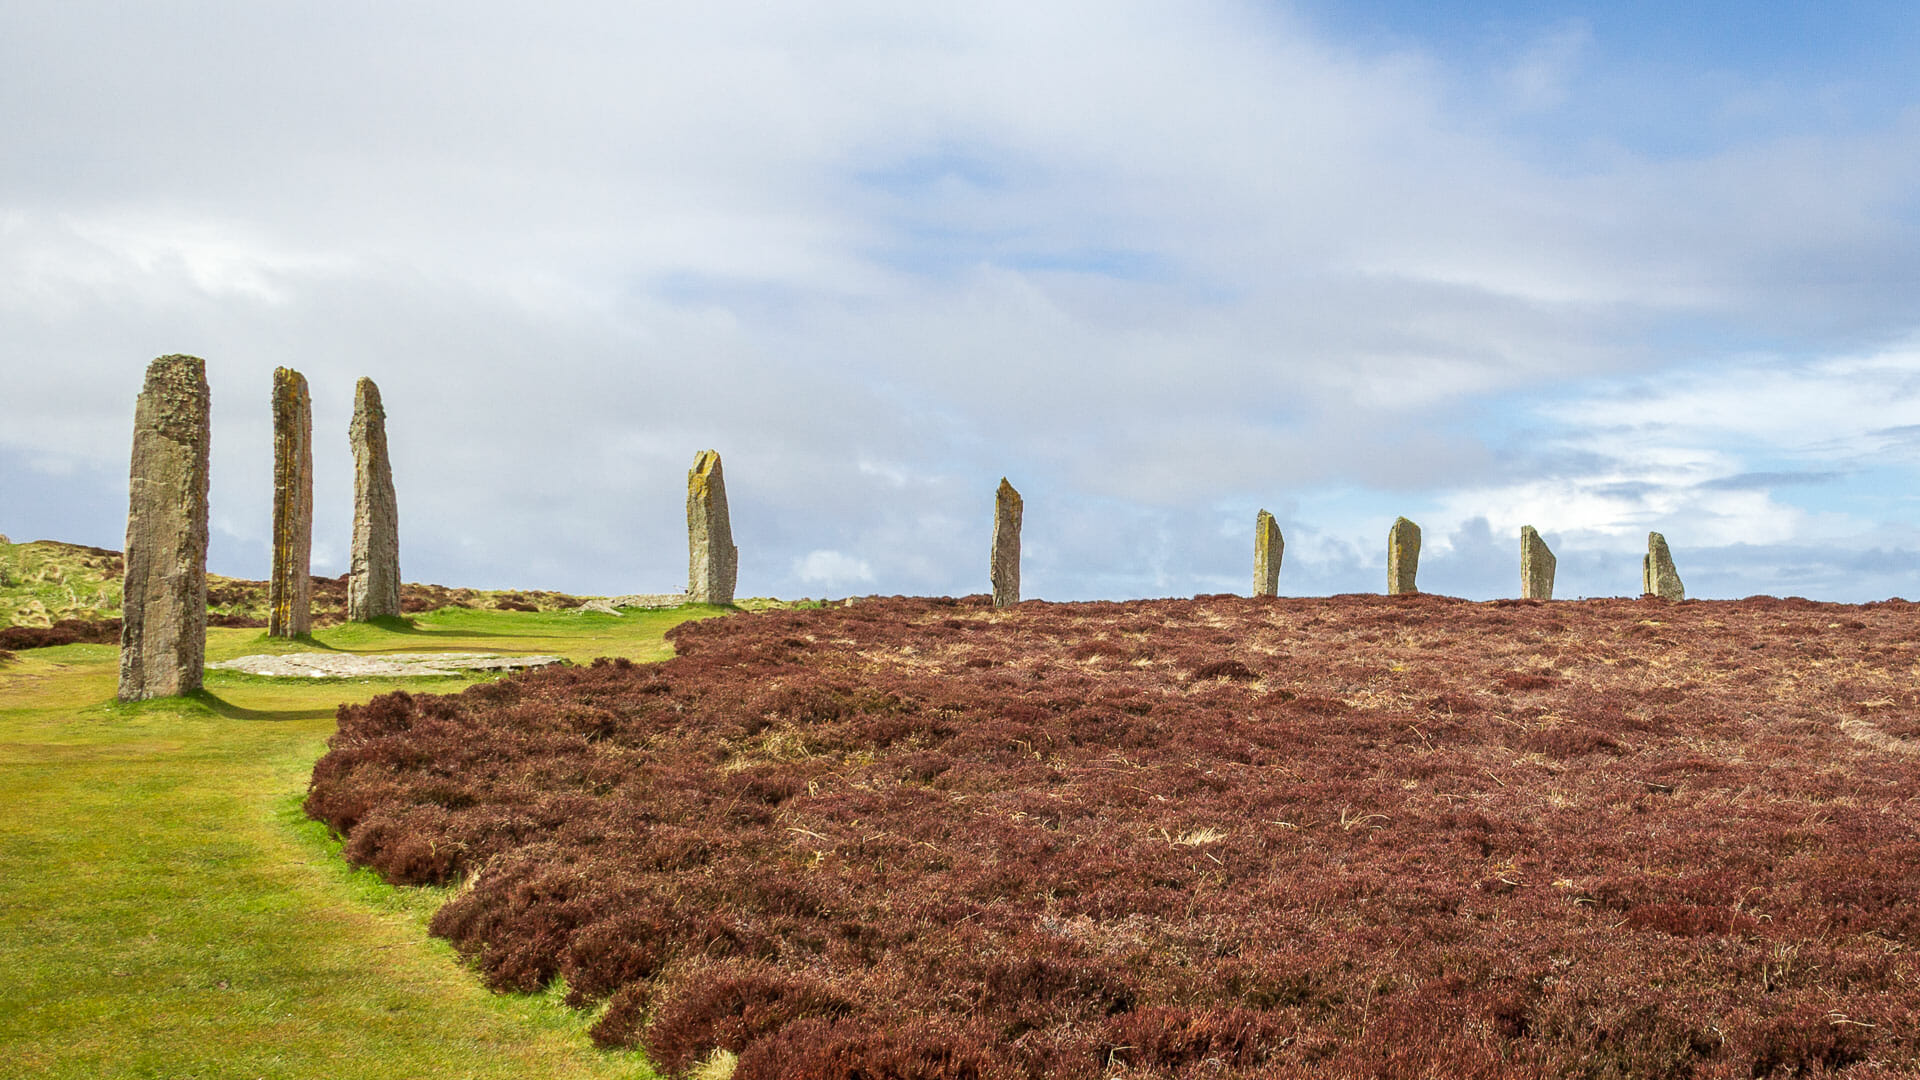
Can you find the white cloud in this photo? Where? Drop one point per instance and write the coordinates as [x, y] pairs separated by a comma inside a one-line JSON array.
[[1150, 261], [832, 569]]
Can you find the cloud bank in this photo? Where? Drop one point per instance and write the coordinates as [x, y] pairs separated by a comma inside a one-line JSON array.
[[1159, 266]]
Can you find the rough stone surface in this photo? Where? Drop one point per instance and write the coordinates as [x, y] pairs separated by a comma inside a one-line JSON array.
[[163, 627], [649, 600], [373, 580], [598, 607], [350, 666], [1403, 557], [1268, 546], [289, 587], [1005, 568], [712, 561], [1657, 575], [1536, 566]]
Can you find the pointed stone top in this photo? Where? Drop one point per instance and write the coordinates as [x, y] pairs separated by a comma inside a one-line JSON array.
[[706, 466], [1006, 491], [366, 396], [1657, 574], [1400, 521]]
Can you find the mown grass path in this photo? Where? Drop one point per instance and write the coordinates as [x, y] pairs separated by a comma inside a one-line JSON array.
[[166, 910]]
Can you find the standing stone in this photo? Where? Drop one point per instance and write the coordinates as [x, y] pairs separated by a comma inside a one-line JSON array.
[[1536, 566], [1657, 575], [1268, 546], [1005, 569], [373, 581], [1403, 557], [290, 589], [163, 622], [713, 562]]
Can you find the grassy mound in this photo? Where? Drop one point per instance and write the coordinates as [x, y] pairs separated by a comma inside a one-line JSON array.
[[1356, 836]]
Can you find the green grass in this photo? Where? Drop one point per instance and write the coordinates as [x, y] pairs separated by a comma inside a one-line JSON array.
[[166, 910], [44, 581]]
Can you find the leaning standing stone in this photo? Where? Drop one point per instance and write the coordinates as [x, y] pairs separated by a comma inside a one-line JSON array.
[[1403, 557], [1268, 546], [290, 589], [713, 562], [1657, 575], [1536, 566], [373, 582], [1005, 569], [163, 623]]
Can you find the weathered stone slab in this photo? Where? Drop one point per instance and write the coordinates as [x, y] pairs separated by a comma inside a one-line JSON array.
[[1657, 576], [290, 586], [1268, 547], [1536, 566], [1004, 571], [649, 600], [1403, 557], [373, 581], [713, 563], [163, 626], [598, 607], [337, 665]]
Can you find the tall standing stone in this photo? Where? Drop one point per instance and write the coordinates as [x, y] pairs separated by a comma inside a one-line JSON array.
[[1536, 566], [1403, 557], [1657, 575], [163, 623], [1005, 569], [290, 588], [713, 563], [373, 581], [1268, 546]]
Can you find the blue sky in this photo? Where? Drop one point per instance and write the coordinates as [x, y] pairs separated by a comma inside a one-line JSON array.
[[1598, 269]]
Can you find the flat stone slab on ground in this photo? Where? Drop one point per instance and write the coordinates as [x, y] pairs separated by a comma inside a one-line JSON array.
[[650, 600], [354, 666]]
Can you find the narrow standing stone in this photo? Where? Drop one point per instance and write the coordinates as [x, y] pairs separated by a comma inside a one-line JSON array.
[[1268, 546], [1536, 566], [163, 620], [1005, 568], [290, 589], [373, 582], [1657, 575], [713, 563], [1403, 557]]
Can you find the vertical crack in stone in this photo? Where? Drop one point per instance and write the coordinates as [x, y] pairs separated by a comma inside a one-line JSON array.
[[1403, 557], [1268, 547], [713, 562], [163, 627], [1005, 568], [373, 582], [290, 586]]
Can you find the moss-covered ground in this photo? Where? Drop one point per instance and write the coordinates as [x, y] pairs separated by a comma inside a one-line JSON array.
[[166, 910]]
